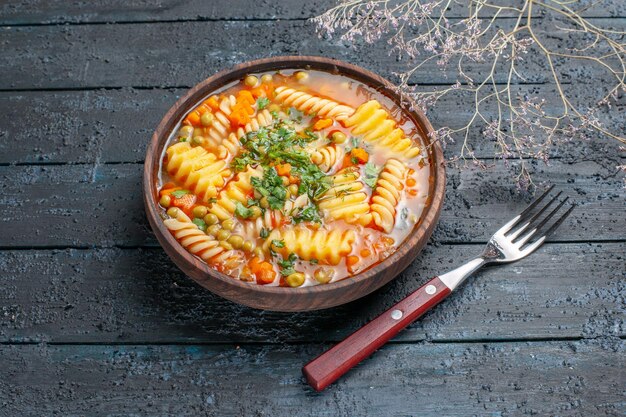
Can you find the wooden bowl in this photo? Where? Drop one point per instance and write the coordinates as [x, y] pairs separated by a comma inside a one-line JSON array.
[[279, 298]]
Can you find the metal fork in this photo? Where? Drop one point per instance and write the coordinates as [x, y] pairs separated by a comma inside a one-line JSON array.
[[515, 240]]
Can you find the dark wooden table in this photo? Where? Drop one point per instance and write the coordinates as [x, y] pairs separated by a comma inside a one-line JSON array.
[[95, 319]]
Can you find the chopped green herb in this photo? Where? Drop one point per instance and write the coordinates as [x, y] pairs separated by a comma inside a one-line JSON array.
[[295, 114], [262, 102], [212, 200], [287, 264], [278, 243], [308, 214], [314, 261], [242, 211], [271, 187], [200, 223], [179, 193], [264, 233], [354, 141], [371, 174]]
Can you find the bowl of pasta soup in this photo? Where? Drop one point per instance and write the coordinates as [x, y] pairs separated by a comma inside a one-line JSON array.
[[293, 183]]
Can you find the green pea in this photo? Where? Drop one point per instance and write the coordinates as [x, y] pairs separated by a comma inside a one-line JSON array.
[[222, 234], [185, 131], [200, 211], [165, 201], [258, 252], [173, 212], [295, 280], [226, 245], [302, 76], [264, 203], [266, 78], [211, 219], [339, 137], [323, 276], [214, 229], [293, 189], [274, 107], [256, 212], [236, 241], [251, 81], [198, 140], [247, 246], [207, 119], [228, 224]]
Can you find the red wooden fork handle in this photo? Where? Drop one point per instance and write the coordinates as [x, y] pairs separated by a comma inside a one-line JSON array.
[[338, 360]]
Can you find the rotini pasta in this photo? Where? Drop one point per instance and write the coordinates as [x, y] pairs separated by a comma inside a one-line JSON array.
[[346, 198], [327, 157], [273, 183], [375, 125], [197, 169], [309, 104], [320, 245], [196, 241], [236, 191], [387, 194]]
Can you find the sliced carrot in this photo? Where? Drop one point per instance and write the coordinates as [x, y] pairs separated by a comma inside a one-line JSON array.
[[258, 92], [168, 190], [185, 202], [212, 103], [266, 275], [193, 119], [322, 124], [360, 155], [365, 253], [412, 192], [411, 182], [351, 262], [283, 169]]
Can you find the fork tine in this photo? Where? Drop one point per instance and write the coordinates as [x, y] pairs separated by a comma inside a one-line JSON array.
[[522, 216], [550, 215], [537, 201], [534, 245], [559, 221], [514, 235]]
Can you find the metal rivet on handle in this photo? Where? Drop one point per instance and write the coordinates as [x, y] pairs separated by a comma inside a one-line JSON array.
[[431, 289], [396, 314]]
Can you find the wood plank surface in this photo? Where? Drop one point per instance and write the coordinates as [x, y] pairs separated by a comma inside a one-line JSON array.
[[116, 125], [101, 205], [538, 378], [55, 12], [182, 54], [139, 296]]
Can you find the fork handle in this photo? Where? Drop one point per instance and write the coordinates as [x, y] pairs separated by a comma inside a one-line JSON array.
[[338, 360]]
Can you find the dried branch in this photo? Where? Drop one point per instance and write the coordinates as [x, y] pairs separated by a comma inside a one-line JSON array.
[[522, 127]]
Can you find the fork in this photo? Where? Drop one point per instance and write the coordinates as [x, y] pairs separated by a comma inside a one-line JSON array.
[[506, 245]]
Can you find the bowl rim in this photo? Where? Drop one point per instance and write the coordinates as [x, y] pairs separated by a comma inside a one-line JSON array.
[[421, 230]]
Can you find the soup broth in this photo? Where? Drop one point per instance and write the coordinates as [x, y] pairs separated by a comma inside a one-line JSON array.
[[293, 178]]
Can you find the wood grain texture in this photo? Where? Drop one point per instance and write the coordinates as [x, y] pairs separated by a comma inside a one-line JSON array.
[[46, 12], [139, 296], [173, 55], [55, 205], [112, 126], [538, 378]]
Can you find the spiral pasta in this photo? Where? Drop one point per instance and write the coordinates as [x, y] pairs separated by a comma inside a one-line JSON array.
[[309, 104], [196, 241], [376, 126], [198, 170], [232, 144], [237, 190], [327, 157], [387, 194], [346, 199], [325, 246]]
